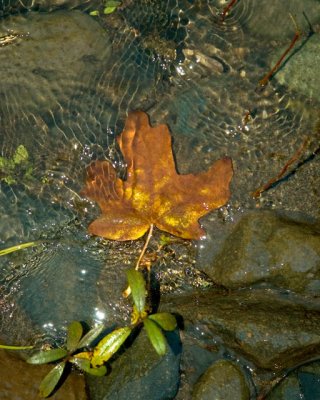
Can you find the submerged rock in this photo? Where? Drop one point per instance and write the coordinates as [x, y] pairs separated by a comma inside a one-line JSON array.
[[46, 59], [274, 22], [308, 83], [268, 248], [224, 380]]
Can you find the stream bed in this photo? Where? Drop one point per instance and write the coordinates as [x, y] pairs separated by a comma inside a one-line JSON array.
[[247, 295]]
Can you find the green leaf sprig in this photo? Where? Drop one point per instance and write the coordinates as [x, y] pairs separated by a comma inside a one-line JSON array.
[[80, 351]]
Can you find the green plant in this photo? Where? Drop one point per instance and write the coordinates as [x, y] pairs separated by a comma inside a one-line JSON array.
[[81, 351], [110, 6], [17, 166]]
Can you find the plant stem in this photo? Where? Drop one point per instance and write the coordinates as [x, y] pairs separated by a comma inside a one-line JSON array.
[[3, 346], [18, 247], [144, 247], [127, 291]]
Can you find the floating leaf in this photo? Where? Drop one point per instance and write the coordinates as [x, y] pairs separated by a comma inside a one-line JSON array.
[[155, 336], [109, 345], [153, 193], [166, 321], [51, 380], [90, 336], [74, 334], [48, 356], [85, 366], [4, 346], [138, 288]]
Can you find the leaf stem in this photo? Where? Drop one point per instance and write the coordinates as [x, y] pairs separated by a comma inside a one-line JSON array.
[[144, 247], [127, 291]]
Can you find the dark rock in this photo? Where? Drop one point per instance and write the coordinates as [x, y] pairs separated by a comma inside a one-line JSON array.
[[269, 328], [267, 248], [302, 383], [140, 373], [224, 380]]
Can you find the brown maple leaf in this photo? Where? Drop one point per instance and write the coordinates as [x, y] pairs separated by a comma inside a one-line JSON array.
[[153, 192]]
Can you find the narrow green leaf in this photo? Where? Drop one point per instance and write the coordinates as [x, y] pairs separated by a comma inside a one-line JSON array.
[[109, 345], [48, 356], [138, 288], [21, 246], [166, 321], [3, 346], [109, 10], [94, 13], [50, 381], [74, 334], [90, 336], [85, 366], [155, 336]]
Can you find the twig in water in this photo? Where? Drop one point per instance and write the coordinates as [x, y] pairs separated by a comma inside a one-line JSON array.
[[227, 9], [275, 179], [278, 64]]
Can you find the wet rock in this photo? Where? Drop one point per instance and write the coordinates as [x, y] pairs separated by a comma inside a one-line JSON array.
[[308, 83], [302, 383], [20, 380], [195, 360], [272, 329], [268, 248], [224, 380], [140, 373], [48, 56], [275, 22]]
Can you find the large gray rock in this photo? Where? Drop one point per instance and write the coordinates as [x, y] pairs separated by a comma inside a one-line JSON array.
[[271, 249], [224, 380], [273, 330]]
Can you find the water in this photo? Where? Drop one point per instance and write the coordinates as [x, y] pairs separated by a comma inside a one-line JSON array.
[[68, 81]]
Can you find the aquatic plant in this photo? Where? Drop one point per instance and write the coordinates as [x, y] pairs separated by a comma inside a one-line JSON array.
[[110, 6], [89, 352], [12, 169]]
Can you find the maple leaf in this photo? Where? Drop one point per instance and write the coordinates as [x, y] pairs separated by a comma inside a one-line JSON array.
[[153, 192]]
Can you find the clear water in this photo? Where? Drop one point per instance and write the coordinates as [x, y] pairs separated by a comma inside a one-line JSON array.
[[68, 81]]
